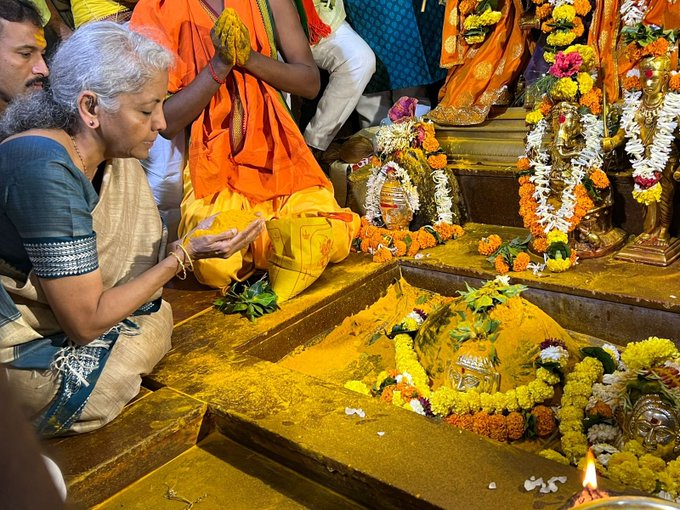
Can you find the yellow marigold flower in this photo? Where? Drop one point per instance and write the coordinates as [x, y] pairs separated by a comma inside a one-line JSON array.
[[652, 462], [521, 262], [489, 17], [560, 38], [549, 57], [648, 196], [571, 413], [585, 82], [634, 447], [534, 117], [547, 376], [648, 353], [501, 266], [553, 455], [486, 402], [564, 12], [357, 386], [472, 21], [557, 236], [582, 7], [444, 401], [488, 245], [499, 401], [587, 55], [475, 39], [523, 398], [564, 89], [474, 402], [511, 403], [558, 265], [600, 179]]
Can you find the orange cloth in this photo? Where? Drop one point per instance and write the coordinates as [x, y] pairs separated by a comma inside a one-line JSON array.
[[479, 74], [664, 14], [602, 36], [245, 139]]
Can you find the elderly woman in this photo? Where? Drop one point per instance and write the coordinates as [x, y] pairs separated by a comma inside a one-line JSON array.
[[81, 317]]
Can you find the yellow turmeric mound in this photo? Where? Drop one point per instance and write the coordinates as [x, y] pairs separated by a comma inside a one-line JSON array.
[[226, 220]]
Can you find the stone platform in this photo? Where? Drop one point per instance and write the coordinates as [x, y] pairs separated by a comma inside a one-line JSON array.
[[221, 425]]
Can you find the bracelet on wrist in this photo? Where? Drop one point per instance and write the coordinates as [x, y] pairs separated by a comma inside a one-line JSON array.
[[187, 257], [214, 76], [181, 269]]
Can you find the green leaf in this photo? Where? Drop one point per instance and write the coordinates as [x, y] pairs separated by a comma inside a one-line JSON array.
[[251, 301], [603, 356], [422, 299]]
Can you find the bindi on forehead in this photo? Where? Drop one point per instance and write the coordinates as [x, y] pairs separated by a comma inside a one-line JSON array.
[[39, 36]]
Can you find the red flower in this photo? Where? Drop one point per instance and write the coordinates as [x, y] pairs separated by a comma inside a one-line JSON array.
[[566, 65]]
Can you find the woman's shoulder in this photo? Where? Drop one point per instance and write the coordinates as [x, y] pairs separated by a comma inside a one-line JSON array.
[[37, 140]]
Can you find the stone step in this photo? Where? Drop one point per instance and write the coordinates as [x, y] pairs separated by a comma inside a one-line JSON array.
[[219, 473], [151, 430]]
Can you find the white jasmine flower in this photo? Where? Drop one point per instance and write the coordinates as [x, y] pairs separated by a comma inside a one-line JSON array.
[[417, 406], [503, 280], [602, 433], [554, 353], [613, 351], [603, 452]]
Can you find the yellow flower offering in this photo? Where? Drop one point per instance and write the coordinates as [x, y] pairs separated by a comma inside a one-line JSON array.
[[227, 220]]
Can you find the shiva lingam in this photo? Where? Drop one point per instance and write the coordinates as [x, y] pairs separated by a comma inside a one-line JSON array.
[[592, 498], [395, 209]]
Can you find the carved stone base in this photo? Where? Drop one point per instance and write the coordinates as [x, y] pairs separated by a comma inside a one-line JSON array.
[[609, 242], [647, 253]]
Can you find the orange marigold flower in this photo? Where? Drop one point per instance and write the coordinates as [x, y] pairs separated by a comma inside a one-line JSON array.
[[488, 245], [375, 161], [600, 179], [545, 421], [382, 254], [521, 261], [524, 179], [445, 230], [523, 164], [632, 83], [501, 266], [365, 244], [634, 52], [547, 27], [578, 27], [499, 428], [543, 11], [573, 257], [481, 424], [462, 421], [426, 239], [401, 248], [466, 6], [370, 230], [582, 7], [437, 160], [545, 106], [536, 229], [674, 83], [414, 248], [539, 244], [430, 144], [538, 2], [601, 409], [386, 395], [365, 222], [592, 100], [456, 231], [514, 423], [527, 190], [657, 48]]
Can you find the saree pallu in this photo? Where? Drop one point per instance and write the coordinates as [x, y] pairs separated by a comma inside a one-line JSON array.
[[479, 75], [70, 388]]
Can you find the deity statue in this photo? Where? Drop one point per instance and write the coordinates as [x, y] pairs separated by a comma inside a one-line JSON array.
[[470, 372], [654, 245], [655, 423], [594, 236]]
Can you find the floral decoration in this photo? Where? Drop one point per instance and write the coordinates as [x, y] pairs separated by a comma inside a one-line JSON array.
[[478, 17]]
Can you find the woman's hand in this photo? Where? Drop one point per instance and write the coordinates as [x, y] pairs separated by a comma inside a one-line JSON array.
[[224, 244]]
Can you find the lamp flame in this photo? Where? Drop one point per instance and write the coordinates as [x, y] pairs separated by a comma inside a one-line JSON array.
[[590, 478]]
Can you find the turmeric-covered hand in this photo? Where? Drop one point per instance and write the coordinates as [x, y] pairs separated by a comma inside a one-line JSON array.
[[231, 38]]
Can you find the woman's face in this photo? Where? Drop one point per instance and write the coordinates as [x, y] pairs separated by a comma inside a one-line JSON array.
[[131, 131]]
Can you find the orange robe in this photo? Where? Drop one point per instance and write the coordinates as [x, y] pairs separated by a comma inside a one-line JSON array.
[[245, 150], [479, 75]]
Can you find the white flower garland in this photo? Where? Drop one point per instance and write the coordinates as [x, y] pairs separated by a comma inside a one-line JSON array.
[[646, 167], [375, 184], [442, 196], [632, 12], [395, 137], [539, 161]]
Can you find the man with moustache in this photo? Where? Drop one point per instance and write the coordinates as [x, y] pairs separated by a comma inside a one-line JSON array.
[[22, 46]]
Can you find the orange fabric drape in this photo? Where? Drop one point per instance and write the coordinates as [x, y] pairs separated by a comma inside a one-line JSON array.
[[602, 37], [245, 139], [478, 75], [664, 14]]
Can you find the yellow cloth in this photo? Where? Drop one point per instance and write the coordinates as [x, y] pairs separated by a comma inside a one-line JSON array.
[[94, 10], [310, 201]]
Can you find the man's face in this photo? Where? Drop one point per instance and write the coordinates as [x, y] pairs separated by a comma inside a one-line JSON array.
[[22, 67]]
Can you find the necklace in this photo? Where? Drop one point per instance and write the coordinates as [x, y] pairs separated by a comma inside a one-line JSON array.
[[80, 156]]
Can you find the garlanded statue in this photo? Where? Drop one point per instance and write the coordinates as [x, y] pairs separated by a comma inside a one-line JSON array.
[[625, 406], [649, 128], [412, 199], [561, 178]]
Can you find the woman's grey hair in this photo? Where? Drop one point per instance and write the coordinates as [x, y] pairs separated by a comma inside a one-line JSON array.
[[103, 57]]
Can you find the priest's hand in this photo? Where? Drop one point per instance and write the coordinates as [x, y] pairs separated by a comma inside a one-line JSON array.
[[231, 38]]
